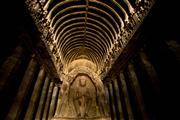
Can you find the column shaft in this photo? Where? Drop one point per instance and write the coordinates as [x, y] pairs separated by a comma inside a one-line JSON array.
[[10, 66], [136, 91], [42, 99], [58, 101], [150, 70], [48, 100], [23, 89], [115, 84], [108, 101], [126, 96], [35, 95], [113, 110], [53, 102]]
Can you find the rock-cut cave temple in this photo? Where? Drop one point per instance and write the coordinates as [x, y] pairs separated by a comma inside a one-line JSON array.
[[85, 59]]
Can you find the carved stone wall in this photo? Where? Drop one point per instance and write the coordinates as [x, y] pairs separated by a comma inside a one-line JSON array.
[[82, 97]]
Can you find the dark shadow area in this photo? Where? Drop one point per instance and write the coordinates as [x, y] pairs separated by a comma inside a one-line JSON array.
[[163, 47]]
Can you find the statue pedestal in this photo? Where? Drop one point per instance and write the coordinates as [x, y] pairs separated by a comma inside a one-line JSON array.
[[88, 118]]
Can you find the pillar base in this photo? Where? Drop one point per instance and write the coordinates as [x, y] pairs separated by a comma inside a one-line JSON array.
[[88, 118]]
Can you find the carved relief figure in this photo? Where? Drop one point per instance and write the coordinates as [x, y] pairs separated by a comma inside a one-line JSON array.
[[64, 93], [101, 97], [82, 98]]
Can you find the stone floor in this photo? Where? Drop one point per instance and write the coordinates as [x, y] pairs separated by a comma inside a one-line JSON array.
[[94, 118]]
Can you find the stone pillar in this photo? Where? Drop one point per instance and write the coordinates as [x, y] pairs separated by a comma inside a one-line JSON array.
[[126, 96], [119, 106], [151, 83], [35, 95], [111, 97], [10, 67], [23, 89], [133, 80], [48, 100], [53, 102], [42, 99], [58, 101], [108, 107], [150, 70]]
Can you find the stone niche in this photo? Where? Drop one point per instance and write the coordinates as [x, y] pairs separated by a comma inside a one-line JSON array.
[[82, 96]]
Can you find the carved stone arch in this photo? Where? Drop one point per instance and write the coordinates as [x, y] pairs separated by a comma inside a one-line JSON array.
[[83, 96], [82, 74], [83, 70]]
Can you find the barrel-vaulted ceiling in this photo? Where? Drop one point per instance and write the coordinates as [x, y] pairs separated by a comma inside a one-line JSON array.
[[87, 29]]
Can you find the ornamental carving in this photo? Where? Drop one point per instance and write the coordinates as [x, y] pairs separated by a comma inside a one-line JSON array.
[[82, 97]]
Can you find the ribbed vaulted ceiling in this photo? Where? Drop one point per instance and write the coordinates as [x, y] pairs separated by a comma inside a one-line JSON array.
[[86, 28]]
